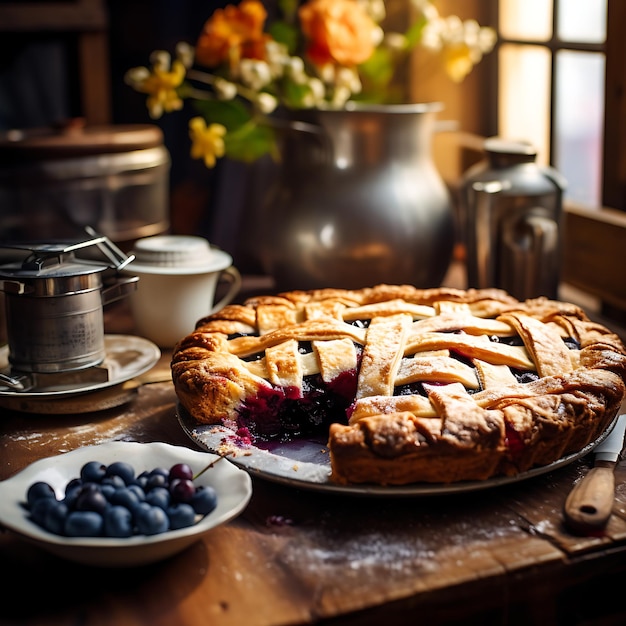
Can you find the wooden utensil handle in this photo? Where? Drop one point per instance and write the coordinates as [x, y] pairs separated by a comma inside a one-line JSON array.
[[589, 504]]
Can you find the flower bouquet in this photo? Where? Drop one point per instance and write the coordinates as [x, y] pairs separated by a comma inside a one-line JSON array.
[[320, 54]]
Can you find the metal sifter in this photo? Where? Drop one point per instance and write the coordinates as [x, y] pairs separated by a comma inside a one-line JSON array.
[[54, 300]]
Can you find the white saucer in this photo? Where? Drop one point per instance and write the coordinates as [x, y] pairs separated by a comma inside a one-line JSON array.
[[127, 356]]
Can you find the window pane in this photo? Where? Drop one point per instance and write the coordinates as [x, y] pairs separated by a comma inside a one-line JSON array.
[[579, 123], [526, 19], [524, 97], [582, 20]]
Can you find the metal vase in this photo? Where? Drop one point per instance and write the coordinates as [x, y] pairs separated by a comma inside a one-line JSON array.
[[359, 202]]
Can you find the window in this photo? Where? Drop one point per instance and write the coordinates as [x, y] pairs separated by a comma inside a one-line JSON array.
[[551, 86]]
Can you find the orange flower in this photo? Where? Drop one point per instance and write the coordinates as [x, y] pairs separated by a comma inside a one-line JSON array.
[[339, 31], [233, 33]]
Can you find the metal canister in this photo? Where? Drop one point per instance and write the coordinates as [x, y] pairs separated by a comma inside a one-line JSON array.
[[56, 181], [513, 212], [54, 309]]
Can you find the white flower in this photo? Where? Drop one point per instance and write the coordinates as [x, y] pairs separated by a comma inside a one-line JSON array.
[[266, 102], [426, 8], [348, 77], [277, 58], [185, 53], [224, 89], [341, 95], [255, 74], [378, 34], [161, 60], [296, 71], [317, 89], [395, 41], [136, 76], [375, 9]]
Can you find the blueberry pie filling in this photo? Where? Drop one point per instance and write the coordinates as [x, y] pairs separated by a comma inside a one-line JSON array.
[[409, 385]]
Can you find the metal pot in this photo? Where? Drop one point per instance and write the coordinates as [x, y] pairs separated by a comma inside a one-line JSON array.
[[56, 181], [53, 303]]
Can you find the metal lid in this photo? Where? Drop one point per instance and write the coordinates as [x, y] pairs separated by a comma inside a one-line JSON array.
[[504, 152], [54, 269], [75, 139], [177, 254]]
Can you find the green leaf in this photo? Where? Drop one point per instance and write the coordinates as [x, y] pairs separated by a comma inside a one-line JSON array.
[[286, 34], [414, 33], [232, 114], [246, 140], [288, 8], [376, 75], [293, 94], [250, 142]]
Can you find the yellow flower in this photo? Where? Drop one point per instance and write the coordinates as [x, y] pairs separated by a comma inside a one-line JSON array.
[[160, 84], [458, 61], [207, 141]]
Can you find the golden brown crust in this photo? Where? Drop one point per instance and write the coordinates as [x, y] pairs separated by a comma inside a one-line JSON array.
[[473, 420]]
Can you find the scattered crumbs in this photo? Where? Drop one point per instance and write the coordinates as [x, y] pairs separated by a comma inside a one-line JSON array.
[[541, 527], [323, 451], [278, 520], [295, 467]]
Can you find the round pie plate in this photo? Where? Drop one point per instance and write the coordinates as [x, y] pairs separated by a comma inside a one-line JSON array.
[[305, 463], [233, 486]]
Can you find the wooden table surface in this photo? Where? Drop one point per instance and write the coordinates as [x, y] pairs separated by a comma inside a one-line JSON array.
[[498, 556]]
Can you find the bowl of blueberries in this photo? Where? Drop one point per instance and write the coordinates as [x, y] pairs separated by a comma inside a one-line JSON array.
[[122, 504]]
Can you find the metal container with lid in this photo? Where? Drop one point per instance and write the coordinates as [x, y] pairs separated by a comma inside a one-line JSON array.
[[56, 181], [53, 303], [514, 209]]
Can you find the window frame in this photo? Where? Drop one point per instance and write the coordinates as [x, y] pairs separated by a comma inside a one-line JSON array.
[[613, 187]]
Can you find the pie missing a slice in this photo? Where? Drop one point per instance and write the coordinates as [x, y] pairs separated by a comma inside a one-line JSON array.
[[411, 385]]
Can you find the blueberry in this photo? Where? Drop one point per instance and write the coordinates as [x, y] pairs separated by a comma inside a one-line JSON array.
[[181, 515], [54, 519], [93, 471], [138, 490], [39, 490], [204, 500], [123, 470], [156, 480], [159, 496], [108, 490], [141, 480], [40, 508], [151, 520], [83, 524], [118, 522], [73, 484], [125, 497], [159, 471], [114, 480], [71, 494]]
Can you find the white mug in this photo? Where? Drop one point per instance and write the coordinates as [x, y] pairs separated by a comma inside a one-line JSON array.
[[178, 279]]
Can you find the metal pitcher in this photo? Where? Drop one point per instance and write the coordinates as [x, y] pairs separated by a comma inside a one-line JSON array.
[[513, 221]]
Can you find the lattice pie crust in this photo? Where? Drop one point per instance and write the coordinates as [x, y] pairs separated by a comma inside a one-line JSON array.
[[411, 385]]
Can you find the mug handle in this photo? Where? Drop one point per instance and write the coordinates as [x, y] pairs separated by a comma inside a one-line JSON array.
[[232, 275]]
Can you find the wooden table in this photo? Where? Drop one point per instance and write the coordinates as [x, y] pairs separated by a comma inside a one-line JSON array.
[[500, 556]]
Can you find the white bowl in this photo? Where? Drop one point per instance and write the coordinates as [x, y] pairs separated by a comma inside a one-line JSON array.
[[233, 487]]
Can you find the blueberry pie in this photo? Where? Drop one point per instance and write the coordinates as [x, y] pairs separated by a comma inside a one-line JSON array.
[[409, 385]]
